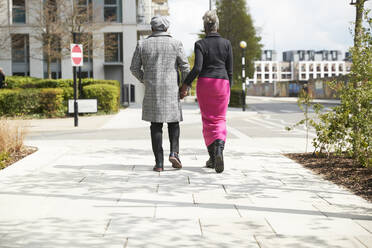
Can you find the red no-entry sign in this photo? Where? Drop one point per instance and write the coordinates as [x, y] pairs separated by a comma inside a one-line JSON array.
[[77, 54]]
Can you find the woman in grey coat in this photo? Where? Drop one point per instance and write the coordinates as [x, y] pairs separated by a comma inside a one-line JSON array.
[[155, 63]]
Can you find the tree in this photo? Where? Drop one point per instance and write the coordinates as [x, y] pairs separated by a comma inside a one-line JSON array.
[[48, 30], [191, 59], [54, 22], [236, 25], [346, 129], [357, 71]]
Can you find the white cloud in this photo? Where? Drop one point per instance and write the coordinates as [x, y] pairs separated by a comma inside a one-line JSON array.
[[283, 24]]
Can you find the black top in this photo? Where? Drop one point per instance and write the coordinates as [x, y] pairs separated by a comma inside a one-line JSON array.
[[213, 59]]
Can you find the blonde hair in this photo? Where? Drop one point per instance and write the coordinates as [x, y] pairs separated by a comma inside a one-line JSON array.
[[211, 21]]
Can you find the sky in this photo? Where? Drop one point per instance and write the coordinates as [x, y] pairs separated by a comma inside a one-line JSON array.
[[282, 24]]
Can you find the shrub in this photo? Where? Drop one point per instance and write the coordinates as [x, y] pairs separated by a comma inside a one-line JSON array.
[[68, 93], [346, 129], [236, 98], [19, 102], [91, 81], [11, 139], [20, 82], [31, 101], [62, 83], [106, 95], [49, 97], [51, 102]]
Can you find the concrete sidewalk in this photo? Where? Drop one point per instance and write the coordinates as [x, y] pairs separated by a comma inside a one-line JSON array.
[[102, 193], [294, 99], [279, 99]]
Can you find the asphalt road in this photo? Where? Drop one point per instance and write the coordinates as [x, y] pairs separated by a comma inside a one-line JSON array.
[[265, 117]]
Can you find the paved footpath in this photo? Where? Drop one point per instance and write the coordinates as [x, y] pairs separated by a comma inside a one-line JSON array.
[[92, 190]]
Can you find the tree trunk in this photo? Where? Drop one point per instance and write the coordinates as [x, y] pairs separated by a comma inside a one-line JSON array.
[[49, 60], [357, 44], [358, 22]]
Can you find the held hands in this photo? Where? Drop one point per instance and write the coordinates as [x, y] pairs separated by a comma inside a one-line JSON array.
[[184, 91]]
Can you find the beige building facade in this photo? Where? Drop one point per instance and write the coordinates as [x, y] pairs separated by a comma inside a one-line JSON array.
[[121, 24]]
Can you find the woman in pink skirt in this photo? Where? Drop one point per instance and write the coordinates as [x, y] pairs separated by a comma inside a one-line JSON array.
[[213, 65]]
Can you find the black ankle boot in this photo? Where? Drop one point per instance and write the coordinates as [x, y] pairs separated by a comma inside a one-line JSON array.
[[219, 164], [211, 161], [159, 160]]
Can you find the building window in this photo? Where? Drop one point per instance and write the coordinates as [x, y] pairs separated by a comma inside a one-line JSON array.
[[318, 68], [112, 10], [318, 75], [303, 76], [326, 68], [311, 76], [326, 75], [275, 76], [311, 68], [266, 68], [258, 68], [274, 68], [341, 67], [20, 55], [87, 40], [113, 47], [259, 77], [50, 10], [19, 11], [267, 76], [286, 69], [84, 10]]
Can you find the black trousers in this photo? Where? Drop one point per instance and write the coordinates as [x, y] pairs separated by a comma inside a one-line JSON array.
[[157, 139]]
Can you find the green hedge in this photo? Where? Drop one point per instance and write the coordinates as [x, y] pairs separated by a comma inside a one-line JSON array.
[[106, 95], [91, 81], [49, 97], [236, 99], [48, 102], [14, 82], [51, 102]]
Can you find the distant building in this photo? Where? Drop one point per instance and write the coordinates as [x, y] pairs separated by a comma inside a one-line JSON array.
[[299, 65], [123, 23]]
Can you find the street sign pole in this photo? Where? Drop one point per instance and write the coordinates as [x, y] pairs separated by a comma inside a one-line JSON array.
[[76, 110], [243, 46], [243, 79], [80, 85]]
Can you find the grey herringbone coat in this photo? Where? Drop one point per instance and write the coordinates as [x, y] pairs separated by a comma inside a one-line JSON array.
[[155, 63]]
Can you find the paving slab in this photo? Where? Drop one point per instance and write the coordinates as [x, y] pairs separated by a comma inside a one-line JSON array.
[[318, 241], [94, 190]]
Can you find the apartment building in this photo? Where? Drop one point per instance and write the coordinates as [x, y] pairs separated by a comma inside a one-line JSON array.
[[122, 23], [300, 65]]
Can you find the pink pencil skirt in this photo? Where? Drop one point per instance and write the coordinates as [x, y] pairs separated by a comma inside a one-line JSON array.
[[213, 98]]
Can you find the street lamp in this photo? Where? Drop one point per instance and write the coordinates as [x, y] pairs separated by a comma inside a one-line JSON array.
[[243, 46]]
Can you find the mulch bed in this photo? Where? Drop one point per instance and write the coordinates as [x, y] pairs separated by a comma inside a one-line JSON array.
[[14, 157], [339, 170]]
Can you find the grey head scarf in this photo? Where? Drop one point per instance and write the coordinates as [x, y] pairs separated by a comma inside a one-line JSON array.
[[160, 23]]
